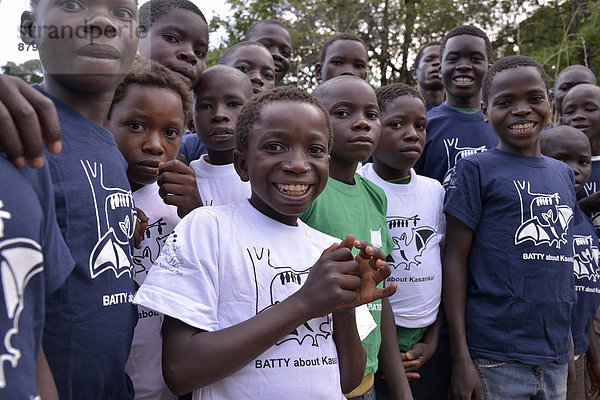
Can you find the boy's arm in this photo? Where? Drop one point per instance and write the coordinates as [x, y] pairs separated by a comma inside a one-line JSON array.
[[44, 379], [390, 357], [422, 352], [352, 356], [465, 378], [28, 119], [178, 187], [336, 281], [593, 364], [590, 204]]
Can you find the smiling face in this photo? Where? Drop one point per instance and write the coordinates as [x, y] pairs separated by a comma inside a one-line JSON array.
[[257, 64], [344, 57], [402, 139], [517, 109], [279, 43], [568, 79], [575, 151], [286, 159], [84, 44], [147, 125], [427, 73], [219, 100], [354, 114], [464, 63], [581, 109], [179, 41]]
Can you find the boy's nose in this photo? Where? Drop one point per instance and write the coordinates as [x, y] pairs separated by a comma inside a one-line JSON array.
[[188, 55], [101, 24], [296, 162], [153, 144], [219, 114], [361, 124], [255, 77], [522, 108]]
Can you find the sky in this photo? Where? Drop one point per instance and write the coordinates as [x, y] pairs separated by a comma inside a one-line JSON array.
[[10, 17]]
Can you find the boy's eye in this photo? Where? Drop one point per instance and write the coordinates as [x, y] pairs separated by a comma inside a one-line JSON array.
[[204, 106], [397, 124], [124, 14], [476, 59], [70, 5], [585, 162], [341, 114], [286, 53], [372, 115], [136, 126], [171, 133], [269, 76], [537, 99], [451, 59], [274, 147], [316, 149], [359, 66], [200, 53], [420, 126], [234, 104], [336, 62], [502, 103], [170, 38], [243, 68]]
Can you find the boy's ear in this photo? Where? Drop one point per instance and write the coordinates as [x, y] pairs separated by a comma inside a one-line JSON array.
[[413, 73], [318, 69], [241, 167], [484, 111], [27, 28]]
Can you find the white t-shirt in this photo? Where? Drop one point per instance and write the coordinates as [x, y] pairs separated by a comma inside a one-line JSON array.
[[222, 266], [144, 363], [417, 226], [219, 184]]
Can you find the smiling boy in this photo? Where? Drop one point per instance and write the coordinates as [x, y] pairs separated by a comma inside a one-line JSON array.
[[240, 297], [508, 252], [255, 61], [273, 34], [90, 319]]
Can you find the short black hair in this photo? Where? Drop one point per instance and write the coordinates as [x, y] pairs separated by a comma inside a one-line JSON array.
[[421, 51], [220, 69], [252, 111], [507, 63], [576, 67], [146, 72], [340, 36], [252, 30], [388, 93], [153, 10], [468, 30], [325, 87], [550, 137], [226, 56]]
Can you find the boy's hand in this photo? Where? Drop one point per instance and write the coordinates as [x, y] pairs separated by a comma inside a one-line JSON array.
[[178, 186], [466, 382], [372, 271], [141, 223], [28, 119], [415, 358]]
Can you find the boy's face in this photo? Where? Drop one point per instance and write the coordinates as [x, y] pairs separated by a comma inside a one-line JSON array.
[[219, 100], [565, 81], [279, 43], [179, 41], [257, 64], [427, 73], [403, 135], [518, 109], [354, 117], [576, 152], [464, 63], [147, 125], [84, 44], [287, 160], [581, 109], [344, 57]]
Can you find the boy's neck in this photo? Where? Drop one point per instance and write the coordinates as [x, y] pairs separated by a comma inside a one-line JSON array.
[[533, 151], [433, 96], [342, 171], [389, 174], [92, 105], [472, 103], [595, 144], [219, 157]]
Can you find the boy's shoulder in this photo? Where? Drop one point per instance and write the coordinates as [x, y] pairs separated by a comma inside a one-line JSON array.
[[417, 182]]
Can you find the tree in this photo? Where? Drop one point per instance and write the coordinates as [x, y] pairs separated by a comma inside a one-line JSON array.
[[30, 71]]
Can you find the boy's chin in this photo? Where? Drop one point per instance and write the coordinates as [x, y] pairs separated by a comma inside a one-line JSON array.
[[94, 83]]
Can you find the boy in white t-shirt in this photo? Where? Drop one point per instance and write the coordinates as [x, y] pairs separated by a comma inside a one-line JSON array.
[[147, 119], [218, 99], [416, 223], [255, 308]]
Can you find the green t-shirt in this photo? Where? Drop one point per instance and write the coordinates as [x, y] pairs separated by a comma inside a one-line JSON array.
[[360, 210]]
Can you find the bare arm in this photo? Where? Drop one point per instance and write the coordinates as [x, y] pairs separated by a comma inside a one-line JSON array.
[[351, 354], [44, 379], [465, 378], [422, 352], [390, 358]]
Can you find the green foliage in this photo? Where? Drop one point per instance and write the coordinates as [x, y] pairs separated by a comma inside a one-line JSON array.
[[30, 71]]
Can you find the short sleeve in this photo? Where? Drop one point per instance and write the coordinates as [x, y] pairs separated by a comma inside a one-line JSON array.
[[184, 281], [463, 198]]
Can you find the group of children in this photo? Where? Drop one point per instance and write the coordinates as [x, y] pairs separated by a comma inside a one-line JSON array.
[[259, 255]]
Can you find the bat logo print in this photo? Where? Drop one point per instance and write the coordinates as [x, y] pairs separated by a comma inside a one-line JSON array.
[[454, 153], [585, 258], [410, 240]]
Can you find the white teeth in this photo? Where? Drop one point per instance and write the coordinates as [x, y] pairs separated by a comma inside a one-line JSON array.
[[463, 79], [292, 190], [520, 128]]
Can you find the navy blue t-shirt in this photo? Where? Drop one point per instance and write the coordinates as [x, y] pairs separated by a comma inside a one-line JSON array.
[[592, 186], [34, 263], [191, 147], [587, 279], [90, 319], [452, 135], [520, 287]]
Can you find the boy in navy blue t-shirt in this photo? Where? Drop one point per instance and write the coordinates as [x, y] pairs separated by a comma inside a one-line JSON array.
[[508, 263], [572, 147], [456, 129]]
